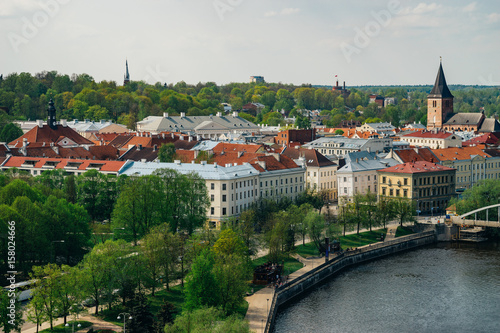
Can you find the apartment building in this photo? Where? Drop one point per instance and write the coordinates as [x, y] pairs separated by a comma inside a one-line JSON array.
[[340, 146], [429, 185]]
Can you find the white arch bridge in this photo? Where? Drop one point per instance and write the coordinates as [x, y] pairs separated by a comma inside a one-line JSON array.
[[461, 219]]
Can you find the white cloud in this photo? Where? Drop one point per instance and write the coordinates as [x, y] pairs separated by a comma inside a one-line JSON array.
[[493, 17], [470, 7], [270, 14], [289, 11], [425, 8]]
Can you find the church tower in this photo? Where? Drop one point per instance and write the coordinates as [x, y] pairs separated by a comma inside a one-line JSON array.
[[126, 78], [51, 117], [439, 102]]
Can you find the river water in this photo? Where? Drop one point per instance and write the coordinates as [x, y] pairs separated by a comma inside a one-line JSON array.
[[441, 288]]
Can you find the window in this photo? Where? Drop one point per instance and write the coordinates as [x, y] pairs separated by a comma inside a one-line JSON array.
[[405, 193], [383, 190], [224, 198], [224, 211], [308, 173], [212, 186], [345, 179], [212, 197], [345, 190], [405, 181], [368, 178], [212, 210], [223, 187], [355, 179], [266, 183], [383, 180], [397, 193], [391, 192]]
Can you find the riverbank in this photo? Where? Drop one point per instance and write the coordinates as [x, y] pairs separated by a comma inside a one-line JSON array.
[[313, 276]]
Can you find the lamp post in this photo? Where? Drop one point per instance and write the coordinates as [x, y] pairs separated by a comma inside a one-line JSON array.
[[73, 325], [125, 314]]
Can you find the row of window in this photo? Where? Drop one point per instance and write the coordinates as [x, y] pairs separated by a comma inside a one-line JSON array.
[[322, 174], [395, 191], [368, 178], [224, 209], [481, 166], [270, 182], [243, 183]]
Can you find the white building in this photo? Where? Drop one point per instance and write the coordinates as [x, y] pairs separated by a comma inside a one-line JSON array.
[[340, 146], [359, 174], [433, 139]]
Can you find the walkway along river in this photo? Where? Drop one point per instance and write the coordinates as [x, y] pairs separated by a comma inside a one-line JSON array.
[[448, 287], [318, 275]]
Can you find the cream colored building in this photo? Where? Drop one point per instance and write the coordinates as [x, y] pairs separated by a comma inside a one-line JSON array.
[[472, 164], [433, 139], [320, 173], [429, 185]]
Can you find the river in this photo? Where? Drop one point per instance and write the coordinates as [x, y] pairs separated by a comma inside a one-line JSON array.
[[441, 288]]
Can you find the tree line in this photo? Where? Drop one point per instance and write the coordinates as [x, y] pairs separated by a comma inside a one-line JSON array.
[[25, 96]]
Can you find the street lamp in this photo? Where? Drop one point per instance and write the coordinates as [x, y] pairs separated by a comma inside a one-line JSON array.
[[267, 313], [125, 314], [73, 329]]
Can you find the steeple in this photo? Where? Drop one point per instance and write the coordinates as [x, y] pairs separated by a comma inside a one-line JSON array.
[[439, 102], [51, 117], [126, 78], [440, 89]]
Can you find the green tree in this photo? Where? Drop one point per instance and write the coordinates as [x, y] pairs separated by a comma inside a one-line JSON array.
[[142, 318], [404, 210], [207, 320], [10, 132], [201, 283], [315, 229], [166, 153], [46, 290]]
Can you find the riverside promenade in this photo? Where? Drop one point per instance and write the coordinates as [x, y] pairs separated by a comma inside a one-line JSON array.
[[264, 304]]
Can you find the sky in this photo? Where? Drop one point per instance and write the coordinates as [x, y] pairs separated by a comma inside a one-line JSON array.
[[375, 42]]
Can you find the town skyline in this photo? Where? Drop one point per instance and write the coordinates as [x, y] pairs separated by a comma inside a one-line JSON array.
[[372, 43]]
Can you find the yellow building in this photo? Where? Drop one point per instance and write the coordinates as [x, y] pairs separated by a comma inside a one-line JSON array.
[[429, 185]]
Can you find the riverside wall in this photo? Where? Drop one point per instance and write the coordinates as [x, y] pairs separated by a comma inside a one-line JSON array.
[[318, 275]]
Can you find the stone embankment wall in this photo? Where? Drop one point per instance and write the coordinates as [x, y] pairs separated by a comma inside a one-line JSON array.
[[311, 279]]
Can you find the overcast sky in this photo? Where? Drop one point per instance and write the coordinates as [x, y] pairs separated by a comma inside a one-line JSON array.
[[297, 41]]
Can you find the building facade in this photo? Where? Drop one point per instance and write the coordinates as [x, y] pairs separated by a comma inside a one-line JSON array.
[[429, 185]]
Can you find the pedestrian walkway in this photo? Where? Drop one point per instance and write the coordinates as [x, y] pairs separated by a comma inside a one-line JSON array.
[[98, 324], [391, 232]]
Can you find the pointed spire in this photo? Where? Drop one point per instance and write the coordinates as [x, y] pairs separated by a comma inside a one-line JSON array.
[[440, 89], [126, 78]]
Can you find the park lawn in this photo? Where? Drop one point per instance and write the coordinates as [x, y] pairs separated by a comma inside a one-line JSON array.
[[348, 241], [62, 329], [174, 296], [403, 231]]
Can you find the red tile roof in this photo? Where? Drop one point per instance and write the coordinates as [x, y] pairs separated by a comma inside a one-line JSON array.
[[461, 153], [416, 154], [250, 148], [429, 135], [487, 138], [108, 166], [417, 167], [47, 135]]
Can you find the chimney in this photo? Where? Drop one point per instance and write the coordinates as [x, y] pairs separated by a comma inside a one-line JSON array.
[[165, 114], [172, 135], [181, 137], [183, 114], [344, 85], [215, 164], [178, 162], [198, 138], [39, 123], [219, 114], [64, 123], [139, 147], [235, 115], [163, 135], [190, 138]]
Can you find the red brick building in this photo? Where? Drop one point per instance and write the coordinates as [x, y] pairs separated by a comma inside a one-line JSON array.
[[295, 136]]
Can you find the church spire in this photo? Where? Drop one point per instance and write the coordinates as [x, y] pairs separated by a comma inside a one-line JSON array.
[[440, 89], [126, 78]]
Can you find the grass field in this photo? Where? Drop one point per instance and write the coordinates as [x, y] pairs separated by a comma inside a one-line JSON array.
[[63, 329], [354, 240]]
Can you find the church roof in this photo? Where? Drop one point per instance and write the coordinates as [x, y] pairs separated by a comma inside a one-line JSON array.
[[465, 119], [490, 125], [440, 89], [46, 135]]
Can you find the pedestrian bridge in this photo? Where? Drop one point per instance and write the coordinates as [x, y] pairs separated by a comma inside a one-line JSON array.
[[461, 219]]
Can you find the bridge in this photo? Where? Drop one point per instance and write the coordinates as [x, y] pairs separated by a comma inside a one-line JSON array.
[[461, 220]]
